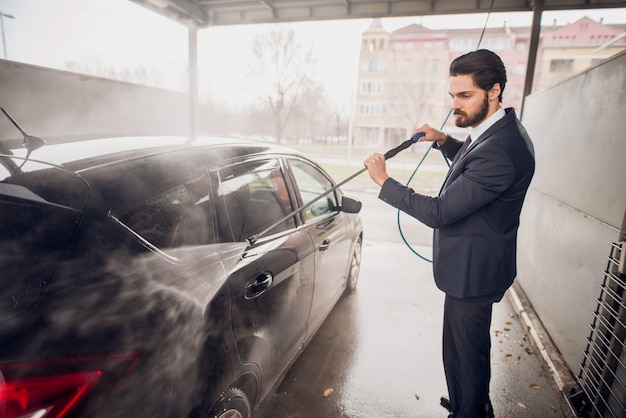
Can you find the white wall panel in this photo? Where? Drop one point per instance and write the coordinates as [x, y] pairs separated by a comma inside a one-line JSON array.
[[577, 199]]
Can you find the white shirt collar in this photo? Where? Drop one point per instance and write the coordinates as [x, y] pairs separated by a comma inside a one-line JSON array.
[[476, 132]]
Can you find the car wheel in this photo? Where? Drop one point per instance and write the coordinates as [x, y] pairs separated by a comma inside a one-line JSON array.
[[355, 267], [232, 404]]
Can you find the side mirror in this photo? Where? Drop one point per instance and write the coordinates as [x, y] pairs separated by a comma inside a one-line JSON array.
[[350, 205]]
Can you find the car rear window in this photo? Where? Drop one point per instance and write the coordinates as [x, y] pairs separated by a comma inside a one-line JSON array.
[[177, 217], [39, 213]]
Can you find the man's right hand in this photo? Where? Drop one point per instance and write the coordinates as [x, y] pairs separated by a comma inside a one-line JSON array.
[[431, 134]]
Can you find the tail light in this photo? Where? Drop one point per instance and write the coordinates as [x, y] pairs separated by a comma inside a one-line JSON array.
[[63, 387]]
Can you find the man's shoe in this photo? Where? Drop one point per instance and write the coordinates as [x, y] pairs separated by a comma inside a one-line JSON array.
[[445, 402], [489, 410]]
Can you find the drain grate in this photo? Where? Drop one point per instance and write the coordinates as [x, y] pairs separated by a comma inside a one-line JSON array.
[[602, 377]]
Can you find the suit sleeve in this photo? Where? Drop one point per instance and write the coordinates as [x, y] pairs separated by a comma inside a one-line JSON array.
[[449, 148], [475, 181]]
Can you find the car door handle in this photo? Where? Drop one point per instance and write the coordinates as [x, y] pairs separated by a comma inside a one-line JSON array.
[[325, 244], [259, 285]]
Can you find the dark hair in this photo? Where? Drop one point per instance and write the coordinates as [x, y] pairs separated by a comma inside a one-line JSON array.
[[485, 67]]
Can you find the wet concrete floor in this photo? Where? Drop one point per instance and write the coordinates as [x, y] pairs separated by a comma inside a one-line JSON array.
[[378, 354]]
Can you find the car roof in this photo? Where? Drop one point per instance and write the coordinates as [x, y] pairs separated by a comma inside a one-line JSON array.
[[83, 155]]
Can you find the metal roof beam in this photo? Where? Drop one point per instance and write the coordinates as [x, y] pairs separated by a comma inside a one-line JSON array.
[[237, 12], [185, 12], [535, 33]]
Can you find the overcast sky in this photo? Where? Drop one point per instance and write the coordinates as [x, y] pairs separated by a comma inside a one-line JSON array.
[[120, 34]]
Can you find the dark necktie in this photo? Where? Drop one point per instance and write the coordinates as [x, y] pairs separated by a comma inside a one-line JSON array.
[[465, 145]]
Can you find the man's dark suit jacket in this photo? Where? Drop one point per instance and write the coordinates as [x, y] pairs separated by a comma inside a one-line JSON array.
[[476, 215]]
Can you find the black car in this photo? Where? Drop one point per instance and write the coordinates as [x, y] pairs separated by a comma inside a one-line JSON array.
[[151, 277]]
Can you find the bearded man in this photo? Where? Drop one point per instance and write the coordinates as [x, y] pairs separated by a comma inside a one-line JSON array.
[[474, 218]]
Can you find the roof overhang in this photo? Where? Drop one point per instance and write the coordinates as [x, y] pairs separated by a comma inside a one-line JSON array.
[[205, 13]]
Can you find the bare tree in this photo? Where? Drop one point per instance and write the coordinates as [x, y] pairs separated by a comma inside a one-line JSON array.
[[281, 71], [305, 115]]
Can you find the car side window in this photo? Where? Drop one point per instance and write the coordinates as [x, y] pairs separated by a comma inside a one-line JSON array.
[[253, 196], [312, 183], [180, 216]]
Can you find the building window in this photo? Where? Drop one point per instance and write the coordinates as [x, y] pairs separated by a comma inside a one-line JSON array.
[[373, 66], [435, 66], [468, 44], [496, 44], [426, 89], [401, 66], [373, 88], [561, 65], [564, 40], [463, 44], [396, 110], [370, 109]]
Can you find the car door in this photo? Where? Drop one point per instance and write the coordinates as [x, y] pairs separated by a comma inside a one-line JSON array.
[[272, 286], [328, 229]]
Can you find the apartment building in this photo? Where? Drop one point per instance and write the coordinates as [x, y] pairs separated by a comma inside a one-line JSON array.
[[403, 75]]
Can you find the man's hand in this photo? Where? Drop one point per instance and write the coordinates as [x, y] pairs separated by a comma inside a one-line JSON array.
[[431, 134], [377, 168]]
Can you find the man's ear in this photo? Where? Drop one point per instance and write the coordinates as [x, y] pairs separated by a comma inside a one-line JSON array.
[[495, 91]]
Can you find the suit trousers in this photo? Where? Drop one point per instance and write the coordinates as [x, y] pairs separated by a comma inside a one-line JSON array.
[[466, 353]]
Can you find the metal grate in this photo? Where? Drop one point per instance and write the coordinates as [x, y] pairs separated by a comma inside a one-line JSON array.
[[603, 371]]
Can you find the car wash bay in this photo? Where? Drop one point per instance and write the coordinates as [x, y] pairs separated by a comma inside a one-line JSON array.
[[571, 223]]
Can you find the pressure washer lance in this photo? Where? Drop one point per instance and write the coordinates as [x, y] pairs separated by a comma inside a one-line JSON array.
[[389, 154]]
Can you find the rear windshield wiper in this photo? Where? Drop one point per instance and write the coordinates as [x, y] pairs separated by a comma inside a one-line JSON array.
[[30, 142]]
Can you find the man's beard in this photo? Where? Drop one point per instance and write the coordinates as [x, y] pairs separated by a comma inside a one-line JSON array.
[[463, 120]]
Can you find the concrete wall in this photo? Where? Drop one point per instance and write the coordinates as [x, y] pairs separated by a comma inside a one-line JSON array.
[[50, 103], [576, 203]]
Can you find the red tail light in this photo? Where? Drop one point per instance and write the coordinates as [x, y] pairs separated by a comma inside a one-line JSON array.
[[66, 387]]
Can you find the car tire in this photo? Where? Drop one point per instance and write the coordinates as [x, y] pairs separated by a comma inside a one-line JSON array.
[[355, 267], [233, 403]]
